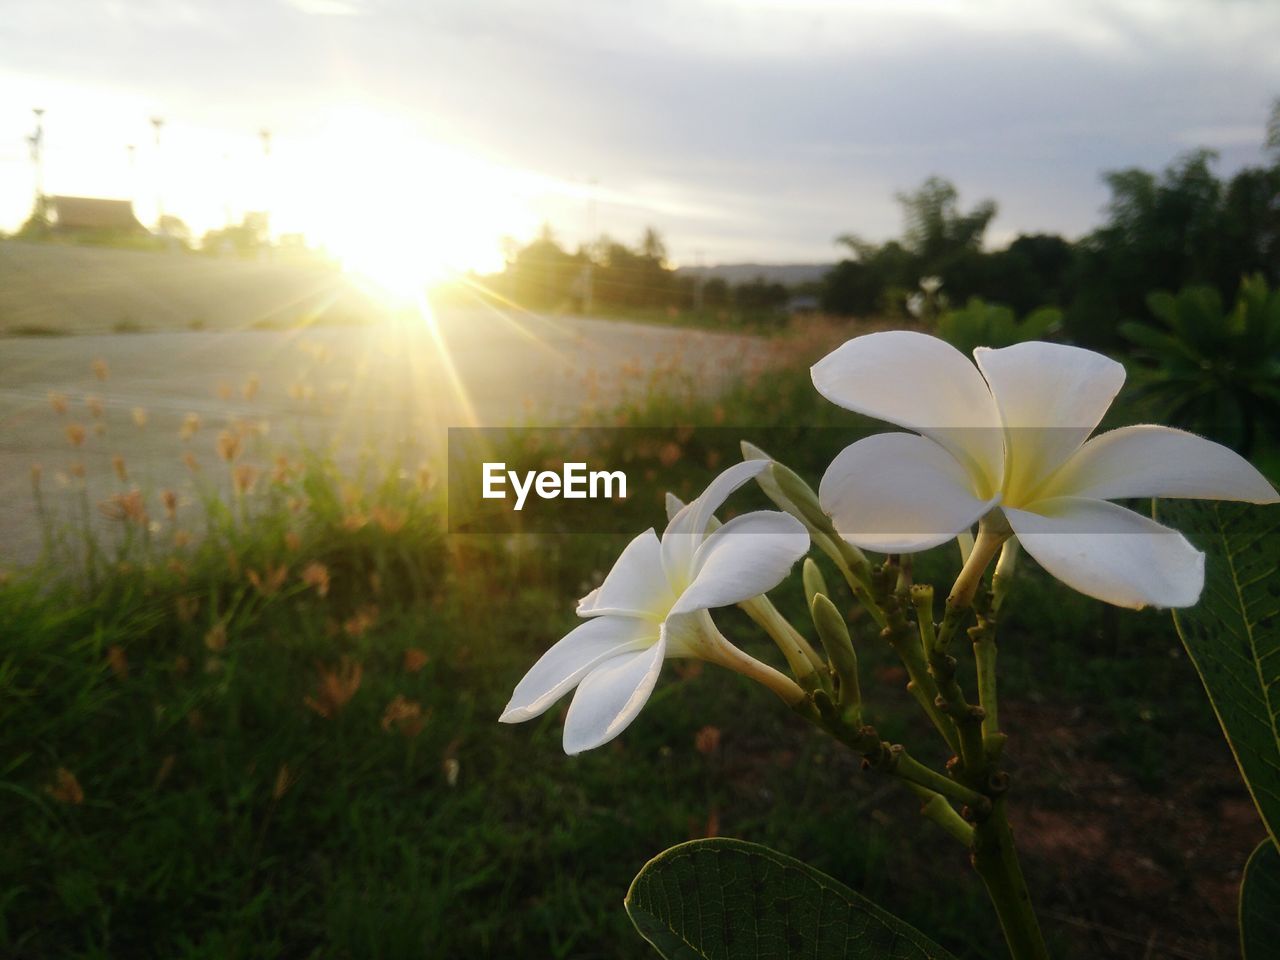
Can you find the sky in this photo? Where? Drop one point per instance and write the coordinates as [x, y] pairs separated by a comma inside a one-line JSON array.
[[740, 129]]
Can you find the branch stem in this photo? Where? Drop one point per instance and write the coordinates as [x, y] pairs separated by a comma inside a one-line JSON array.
[[934, 806], [910, 649], [996, 861], [984, 658], [909, 768]]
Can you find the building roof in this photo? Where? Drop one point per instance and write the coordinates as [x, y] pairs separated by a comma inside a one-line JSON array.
[[92, 213]]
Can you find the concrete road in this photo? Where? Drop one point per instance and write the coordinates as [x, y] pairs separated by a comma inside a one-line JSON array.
[[55, 288], [350, 386]]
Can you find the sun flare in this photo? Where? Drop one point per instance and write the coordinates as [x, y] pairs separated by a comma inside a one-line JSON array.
[[406, 211]]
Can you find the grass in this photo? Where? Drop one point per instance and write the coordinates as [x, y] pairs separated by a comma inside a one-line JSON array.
[[763, 322], [237, 793]]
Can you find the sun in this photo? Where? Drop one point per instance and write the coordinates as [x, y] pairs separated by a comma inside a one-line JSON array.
[[406, 211]]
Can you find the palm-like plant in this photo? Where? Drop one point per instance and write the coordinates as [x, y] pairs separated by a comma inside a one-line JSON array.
[[1209, 370]]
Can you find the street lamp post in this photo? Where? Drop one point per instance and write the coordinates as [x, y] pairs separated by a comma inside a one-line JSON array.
[[588, 284], [157, 124], [132, 151], [36, 143], [265, 136]]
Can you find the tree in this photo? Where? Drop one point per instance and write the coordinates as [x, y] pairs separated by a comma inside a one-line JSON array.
[[1249, 234], [652, 247], [1031, 272], [759, 296], [715, 293], [541, 274], [936, 230], [1169, 230], [637, 277], [938, 239], [873, 280], [1273, 131]]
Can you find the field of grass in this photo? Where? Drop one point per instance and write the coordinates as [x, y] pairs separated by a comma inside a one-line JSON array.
[[280, 739]]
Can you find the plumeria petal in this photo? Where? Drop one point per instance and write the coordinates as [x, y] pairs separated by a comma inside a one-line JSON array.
[[636, 586], [1050, 397], [583, 649], [1153, 461], [899, 493], [692, 635], [686, 530], [742, 559], [673, 504], [1110, 553], [921, 383], [610, 697]]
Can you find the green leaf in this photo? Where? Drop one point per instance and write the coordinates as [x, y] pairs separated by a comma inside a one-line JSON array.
[[1233, 634], [1164, 305], [1040, 323], [1162, 345], [725, 899], [1260, 903]]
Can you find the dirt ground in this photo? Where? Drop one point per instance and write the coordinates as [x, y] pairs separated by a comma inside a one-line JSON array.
[[1137, 873]]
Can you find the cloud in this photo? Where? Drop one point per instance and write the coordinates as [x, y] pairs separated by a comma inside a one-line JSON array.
[[729, 124], [325, 8]]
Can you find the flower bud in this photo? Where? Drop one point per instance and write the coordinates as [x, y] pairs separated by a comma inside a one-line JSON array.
[[814, 582], [785, 488], [839, 646], [1003, 577]]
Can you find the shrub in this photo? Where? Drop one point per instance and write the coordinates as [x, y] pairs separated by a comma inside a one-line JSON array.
[[1211, 371], [982, 324]]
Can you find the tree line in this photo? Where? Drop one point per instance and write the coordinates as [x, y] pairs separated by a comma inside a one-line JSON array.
[[1163, 231], [610, 276]]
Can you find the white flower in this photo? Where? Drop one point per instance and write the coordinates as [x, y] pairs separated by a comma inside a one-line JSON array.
[[653, 604], [930, 285], [1011, 433]]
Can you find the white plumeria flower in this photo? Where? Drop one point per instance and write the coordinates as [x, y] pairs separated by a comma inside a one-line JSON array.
[[1011, 433], [653, 605]]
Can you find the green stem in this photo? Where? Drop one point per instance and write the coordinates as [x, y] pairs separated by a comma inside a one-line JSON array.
[[996, 861], [925, 690], [910, 649], [966, 717], [909, 768], [922, 601], [991, 535], [984, 658], [936, 807]]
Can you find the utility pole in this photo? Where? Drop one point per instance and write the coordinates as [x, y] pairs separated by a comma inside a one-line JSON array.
[[157, 124], [265, 136], [132, 151], [36, 143], [227, 187], [698, 281], [588, 279]]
